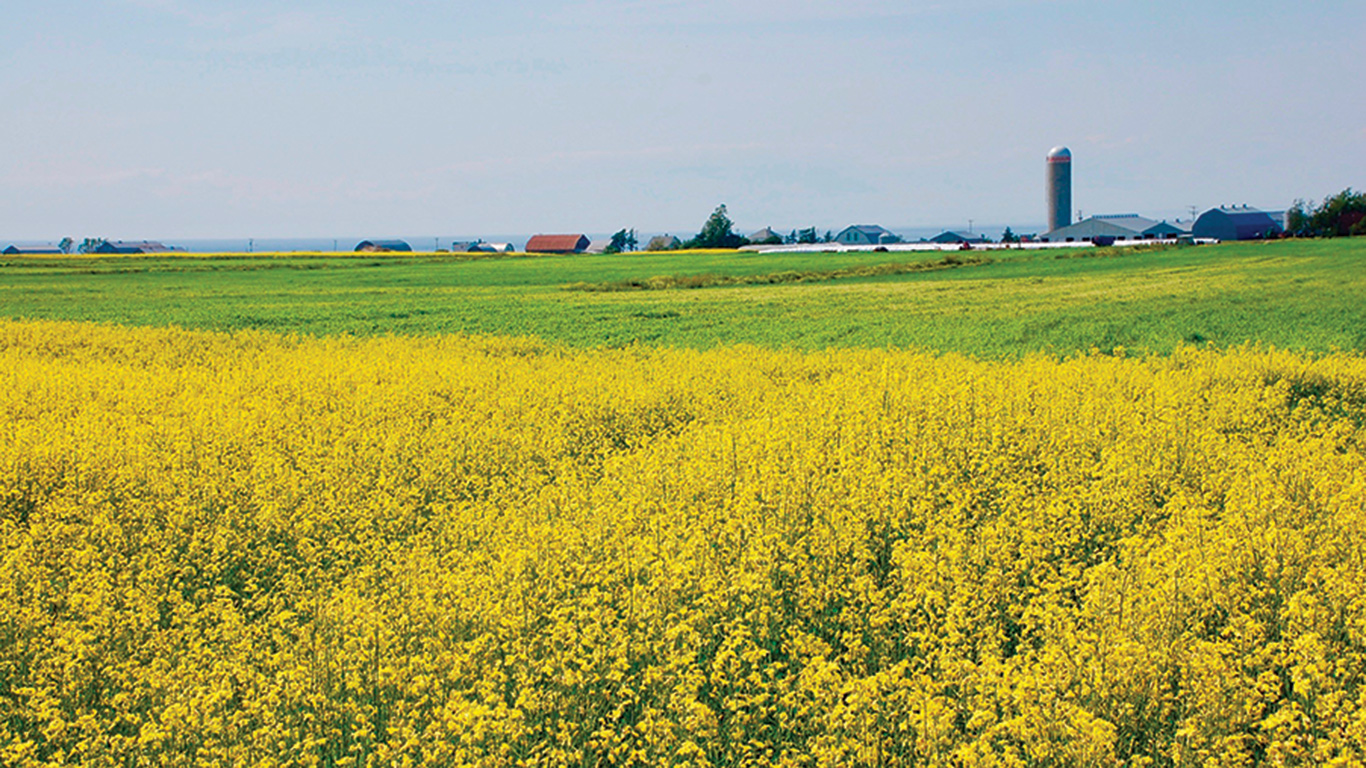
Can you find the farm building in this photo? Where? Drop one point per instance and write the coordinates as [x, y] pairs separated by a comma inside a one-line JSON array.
[[482, 247], [598, 246], [1236, 223], [382, 246], [866, 234], [766, 236], [948, 238], [557, 244], [29, 250], [131, 247], [1122, 226], [663, 243]]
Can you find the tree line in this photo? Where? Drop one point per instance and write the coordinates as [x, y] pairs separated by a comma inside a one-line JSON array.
[[1341, 215]]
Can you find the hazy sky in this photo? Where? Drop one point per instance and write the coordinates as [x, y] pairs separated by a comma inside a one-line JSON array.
[[188, 118]]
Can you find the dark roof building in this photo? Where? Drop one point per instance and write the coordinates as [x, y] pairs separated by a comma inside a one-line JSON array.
[[131, 247], [1163, 230], [382, 246], [865, 234], [1121, 226], [947, 238], [27, 250], [558, 244], [1236, 223]]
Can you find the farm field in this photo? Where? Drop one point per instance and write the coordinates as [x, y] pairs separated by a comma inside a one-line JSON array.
[[1290, 294], [345, 510], [252, 549]]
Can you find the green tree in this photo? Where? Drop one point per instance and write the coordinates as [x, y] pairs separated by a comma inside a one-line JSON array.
[[622, 241], [89, 244], [1297, 219], [1009, 236], [717, 232], [807, 236], [1339, 213], [66, 245]]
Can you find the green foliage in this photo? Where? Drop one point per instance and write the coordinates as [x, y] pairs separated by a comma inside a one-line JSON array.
[[623, 241], [1009, 236], [807, 236], [717, 232], [1339, 215], [1297, 219]]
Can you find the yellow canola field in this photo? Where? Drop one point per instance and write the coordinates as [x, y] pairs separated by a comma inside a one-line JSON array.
[[251, 549]]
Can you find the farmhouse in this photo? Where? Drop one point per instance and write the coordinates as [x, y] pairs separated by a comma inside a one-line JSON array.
[[29, 250], [766, 236], [131, 247], [558, 244], [865, 234], [663, 243], [382, 246], [1236, 223]]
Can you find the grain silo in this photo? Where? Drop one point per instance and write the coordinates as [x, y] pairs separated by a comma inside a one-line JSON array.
[[1059, 188]]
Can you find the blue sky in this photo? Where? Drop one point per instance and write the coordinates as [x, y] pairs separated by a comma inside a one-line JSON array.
[[184, 118]]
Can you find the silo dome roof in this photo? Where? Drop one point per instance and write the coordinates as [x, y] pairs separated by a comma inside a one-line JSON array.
[[1060, 153]]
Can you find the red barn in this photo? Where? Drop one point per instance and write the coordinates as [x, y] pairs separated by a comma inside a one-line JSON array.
[[557, 244]]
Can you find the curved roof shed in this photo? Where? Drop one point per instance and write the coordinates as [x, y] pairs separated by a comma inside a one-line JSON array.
[[1236, 223]]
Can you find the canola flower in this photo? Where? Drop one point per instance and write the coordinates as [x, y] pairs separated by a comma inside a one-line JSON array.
[[253, 549]]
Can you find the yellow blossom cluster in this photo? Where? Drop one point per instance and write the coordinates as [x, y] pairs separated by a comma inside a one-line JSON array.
[[252, 549]]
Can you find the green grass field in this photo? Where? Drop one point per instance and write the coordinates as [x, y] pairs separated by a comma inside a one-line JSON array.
[[1308, 295]]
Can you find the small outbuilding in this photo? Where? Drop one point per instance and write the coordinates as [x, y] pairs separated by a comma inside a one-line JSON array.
[[949, 238], [383, 246], [558, 244], [31, 250], [482, 247], [1236, 223]]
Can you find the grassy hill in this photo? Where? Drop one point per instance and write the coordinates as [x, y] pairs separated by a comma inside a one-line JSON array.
[[1291, 294]]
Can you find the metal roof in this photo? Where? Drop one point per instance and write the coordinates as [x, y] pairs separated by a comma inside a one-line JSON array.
[[131, 246], [1131, 221], [955, 237], [14, 250], [1241, 222], [383, 245], [873, 231], [557, 243]]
